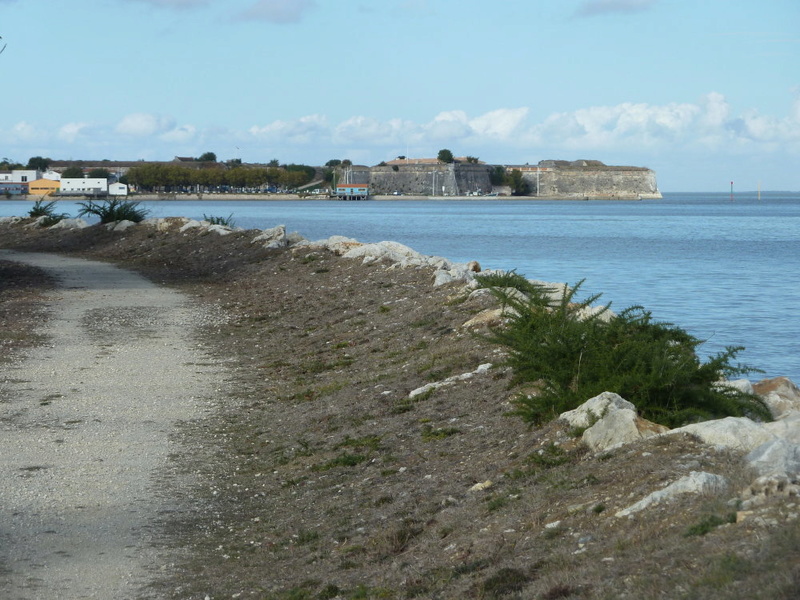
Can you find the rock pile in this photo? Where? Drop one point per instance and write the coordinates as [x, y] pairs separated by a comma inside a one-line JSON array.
[[771, 450]]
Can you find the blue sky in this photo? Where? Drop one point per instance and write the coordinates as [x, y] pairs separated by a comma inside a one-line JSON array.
[[701, 92]]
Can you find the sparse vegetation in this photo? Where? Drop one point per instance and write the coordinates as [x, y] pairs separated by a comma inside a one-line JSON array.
[[113, 210], [47, 210], [224, 221], [291, 510]]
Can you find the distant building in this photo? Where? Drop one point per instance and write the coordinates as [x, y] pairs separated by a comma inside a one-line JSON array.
[[43, 187], [117, 189], [352, 191], [84, 186], [12, 188], [19, 176]]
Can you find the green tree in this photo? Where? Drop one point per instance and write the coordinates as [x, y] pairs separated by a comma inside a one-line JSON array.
[[497, 175], [334, 162], [518, 185], [39, 163], [99, 173], [72, 173], [207, 157], [445, 156], [472, 159], [274, 163]]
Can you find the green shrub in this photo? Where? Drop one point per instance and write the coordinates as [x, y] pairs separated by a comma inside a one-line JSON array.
[[224, 221], [113, 210], [575, 354], [46, 211]]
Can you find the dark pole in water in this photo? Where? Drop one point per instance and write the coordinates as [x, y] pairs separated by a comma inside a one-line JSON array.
[[731, 191]]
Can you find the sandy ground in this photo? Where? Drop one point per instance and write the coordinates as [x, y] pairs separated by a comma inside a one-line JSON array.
[[87, 426]]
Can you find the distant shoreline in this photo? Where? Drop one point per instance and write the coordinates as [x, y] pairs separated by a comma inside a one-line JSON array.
[[311, 197]]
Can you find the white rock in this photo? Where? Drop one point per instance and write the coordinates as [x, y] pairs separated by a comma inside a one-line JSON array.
[[449, 381], [697, 482], [785, 427], [190, 224], [618, 427], [780, 394], [736, 433], [220, 229], [778, 457], [742, 385], [595, 409], [120, 225], [272, 238], [70, 224]]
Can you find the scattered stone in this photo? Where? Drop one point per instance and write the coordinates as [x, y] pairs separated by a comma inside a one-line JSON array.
[[449, 381], [479, 487]]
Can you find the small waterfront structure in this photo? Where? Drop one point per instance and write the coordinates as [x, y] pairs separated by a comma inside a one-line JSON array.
[[117, 189], [352, 191]]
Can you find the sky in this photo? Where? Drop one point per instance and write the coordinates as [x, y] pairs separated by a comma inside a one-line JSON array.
[[704, 93]]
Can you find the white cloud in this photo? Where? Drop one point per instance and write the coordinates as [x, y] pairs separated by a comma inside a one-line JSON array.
[[278, 11], [25, 132], [72, 131], [502, 123], [144, 125], [298, 131]]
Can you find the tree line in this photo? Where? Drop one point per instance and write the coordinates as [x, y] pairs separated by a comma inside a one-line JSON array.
[[154, 177]]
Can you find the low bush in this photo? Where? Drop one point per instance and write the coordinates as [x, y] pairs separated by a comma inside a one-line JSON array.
[[224, 221], [113, 210], [576, 352], [47, 210]]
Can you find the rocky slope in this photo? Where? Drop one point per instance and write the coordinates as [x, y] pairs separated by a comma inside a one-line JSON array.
[[334, 469]]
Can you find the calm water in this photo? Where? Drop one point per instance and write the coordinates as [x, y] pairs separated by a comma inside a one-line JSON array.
[[729, 272]]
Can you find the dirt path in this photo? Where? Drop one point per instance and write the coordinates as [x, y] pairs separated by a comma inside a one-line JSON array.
[[87, 426]]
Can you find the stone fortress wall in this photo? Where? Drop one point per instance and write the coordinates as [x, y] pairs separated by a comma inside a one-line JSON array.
[[555, 179]]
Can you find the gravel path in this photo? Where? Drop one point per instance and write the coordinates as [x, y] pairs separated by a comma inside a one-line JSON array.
[[87, 426]]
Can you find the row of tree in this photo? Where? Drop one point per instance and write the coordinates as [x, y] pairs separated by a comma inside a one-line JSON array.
[[166, 177]]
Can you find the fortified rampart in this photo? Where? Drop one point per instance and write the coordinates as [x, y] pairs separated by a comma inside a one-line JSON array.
[[453, 179], [579, 181], [549, 179]]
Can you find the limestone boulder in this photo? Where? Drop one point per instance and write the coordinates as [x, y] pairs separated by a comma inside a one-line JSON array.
[[120, 226], [619, 427], [70, 224], [736, 433], [274, 237], [594, 409], [779, 393]]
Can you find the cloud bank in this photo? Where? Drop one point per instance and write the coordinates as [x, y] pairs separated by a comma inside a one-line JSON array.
[[707, 129]]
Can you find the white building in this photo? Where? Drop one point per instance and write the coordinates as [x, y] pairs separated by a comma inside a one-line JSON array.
[[117, 189], [84, 186], [52, 175], [19, 176]]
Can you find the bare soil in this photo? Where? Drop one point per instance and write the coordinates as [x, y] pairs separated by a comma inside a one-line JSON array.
[[320, 478]]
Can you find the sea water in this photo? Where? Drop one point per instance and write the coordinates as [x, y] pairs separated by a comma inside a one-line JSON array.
[[727, 270]]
